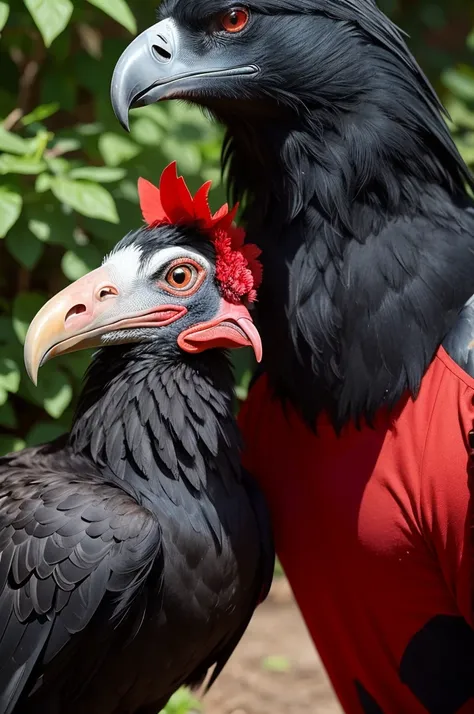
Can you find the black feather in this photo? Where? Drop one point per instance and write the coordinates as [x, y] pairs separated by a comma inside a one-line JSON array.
[[354, 190]]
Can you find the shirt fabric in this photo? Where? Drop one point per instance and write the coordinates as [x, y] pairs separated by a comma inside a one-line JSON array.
[[373, 529]]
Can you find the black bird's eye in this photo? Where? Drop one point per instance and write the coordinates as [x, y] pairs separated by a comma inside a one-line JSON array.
[[184, 278], [235, 20]]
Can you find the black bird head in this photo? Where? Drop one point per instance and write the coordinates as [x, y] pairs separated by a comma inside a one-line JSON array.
[[267, 54], [328, 80], [182, 283]]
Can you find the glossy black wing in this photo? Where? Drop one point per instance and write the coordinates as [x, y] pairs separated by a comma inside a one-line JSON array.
[[261, 587], [65, 542], [267, 547]]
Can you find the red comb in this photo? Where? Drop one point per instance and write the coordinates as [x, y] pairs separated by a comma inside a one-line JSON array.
[[238, 269]]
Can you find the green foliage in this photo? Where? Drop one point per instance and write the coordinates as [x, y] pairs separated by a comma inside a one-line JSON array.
[[182, 702], [51, 17], [119, 10], [68, 178]]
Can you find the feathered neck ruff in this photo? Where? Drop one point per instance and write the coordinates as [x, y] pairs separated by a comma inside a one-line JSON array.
[[368, 240]]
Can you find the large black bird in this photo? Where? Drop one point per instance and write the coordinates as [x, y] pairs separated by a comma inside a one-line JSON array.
[[134, 552], [362, 207]]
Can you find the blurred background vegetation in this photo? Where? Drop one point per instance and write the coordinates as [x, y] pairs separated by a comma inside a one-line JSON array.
[[68, 172]]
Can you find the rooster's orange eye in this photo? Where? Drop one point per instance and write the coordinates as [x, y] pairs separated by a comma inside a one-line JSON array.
[[181, 277], [235, 20]]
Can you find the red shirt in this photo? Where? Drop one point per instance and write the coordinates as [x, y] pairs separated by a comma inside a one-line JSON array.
[[373, 531]]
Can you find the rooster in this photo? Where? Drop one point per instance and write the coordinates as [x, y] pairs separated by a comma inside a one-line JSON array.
[[134, 551]]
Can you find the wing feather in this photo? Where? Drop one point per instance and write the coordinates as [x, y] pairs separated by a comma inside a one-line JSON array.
[[67, 544]]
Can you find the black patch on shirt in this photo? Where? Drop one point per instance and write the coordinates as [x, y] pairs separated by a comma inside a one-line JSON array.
[[438, 664]]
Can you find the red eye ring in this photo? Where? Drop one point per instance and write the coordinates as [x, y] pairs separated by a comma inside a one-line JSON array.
[[235, 19]]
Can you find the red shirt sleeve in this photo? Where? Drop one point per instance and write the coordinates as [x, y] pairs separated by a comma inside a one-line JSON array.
[[445, 494]]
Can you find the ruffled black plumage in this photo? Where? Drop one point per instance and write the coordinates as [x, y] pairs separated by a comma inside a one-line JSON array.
[[132, 553], [355, 192]]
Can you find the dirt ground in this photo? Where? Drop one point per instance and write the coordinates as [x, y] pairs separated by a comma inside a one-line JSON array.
[[250, 683]]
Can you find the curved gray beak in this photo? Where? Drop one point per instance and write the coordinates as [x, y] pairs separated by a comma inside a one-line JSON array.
[[161, 64]]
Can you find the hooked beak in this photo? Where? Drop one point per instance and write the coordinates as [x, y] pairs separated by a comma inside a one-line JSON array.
[[232, 327], [79, 316], [159, 64]]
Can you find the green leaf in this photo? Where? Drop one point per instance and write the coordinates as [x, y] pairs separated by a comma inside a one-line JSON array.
[[51, 17], [43, 183], [92, 129], [460, 114], [76, 363], [103, 174], [187, 155], [40, 113], [40, 229], [182, 702], [4, 12], [119, 11], [86, 198], [470, 41], [25, 307], [64, 146], [242, 388], [9, 373], [58, 394], [58, 165], [43, 432], [14, 144], [50, 224], [10, 209], [82, 260], [460, 82], [146, 131], [157, 112], [116, 149], [24, 247], [467, 153], [8, 416], [276, 663], [8, 444], [10, 164]]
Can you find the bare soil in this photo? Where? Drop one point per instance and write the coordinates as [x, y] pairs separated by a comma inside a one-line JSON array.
[[250, 684]]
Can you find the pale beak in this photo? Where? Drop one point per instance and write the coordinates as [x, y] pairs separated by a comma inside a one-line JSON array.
[[78, 317], [232, 327], [162, 63]]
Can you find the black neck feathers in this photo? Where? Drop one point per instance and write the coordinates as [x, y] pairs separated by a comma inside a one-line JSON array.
[[156, 421], [363, 216]]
